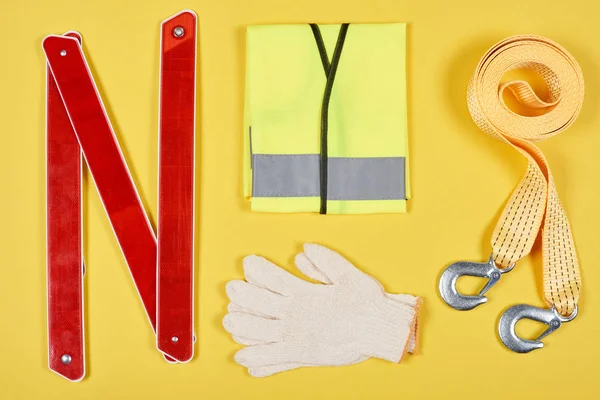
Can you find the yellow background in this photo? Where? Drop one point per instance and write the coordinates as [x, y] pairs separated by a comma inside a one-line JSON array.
[[461, 179]]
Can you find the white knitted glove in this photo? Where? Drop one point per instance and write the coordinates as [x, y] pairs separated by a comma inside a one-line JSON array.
[[269, 370], [312, 271], [290, 323]]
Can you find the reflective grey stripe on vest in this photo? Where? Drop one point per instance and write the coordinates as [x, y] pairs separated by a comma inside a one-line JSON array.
[[297, 175]]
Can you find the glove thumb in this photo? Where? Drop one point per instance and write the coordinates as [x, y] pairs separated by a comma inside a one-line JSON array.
[[306, 266], [322, 264]]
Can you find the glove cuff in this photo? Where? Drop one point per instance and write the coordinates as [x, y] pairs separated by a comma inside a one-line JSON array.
[[392, 324]]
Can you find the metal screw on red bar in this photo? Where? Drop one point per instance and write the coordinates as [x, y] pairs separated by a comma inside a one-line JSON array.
[[178, 31], [174, 339], [63, 53], [66, 359]]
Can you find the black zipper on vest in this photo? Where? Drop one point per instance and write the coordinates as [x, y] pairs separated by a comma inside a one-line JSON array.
[[330, 71]]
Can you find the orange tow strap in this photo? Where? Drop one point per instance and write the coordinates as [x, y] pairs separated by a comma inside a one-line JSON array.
[[534, 204]]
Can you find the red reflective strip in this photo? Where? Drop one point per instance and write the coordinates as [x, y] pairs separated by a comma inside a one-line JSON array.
[[106, 163], [63, 234], [176, 187]]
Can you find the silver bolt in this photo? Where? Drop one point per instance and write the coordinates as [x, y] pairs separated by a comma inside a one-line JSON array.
[[496, 275], [66, 359], [178, 31], [174, 339], [63, 53]]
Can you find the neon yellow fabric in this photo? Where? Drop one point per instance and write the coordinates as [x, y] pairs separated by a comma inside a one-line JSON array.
[[285, 82]]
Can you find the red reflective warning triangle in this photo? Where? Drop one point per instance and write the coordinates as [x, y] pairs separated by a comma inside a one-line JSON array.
[[77, 124]]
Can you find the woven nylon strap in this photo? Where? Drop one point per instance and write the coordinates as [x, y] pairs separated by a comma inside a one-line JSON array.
[[535, 201]]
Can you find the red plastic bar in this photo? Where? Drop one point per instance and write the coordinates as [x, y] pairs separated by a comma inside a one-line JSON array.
[[66, 354], [175, 291]]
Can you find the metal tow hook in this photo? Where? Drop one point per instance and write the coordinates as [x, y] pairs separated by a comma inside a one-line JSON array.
[[508, 321], [448, 280]]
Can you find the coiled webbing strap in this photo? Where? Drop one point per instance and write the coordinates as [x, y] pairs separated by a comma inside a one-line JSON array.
[[534, 204]]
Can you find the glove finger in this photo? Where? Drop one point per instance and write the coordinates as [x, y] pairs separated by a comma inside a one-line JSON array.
[[328, 262], [309, 269], [262, 372], [252, 327], [408, 299], [263, 355], [268, 370], [255, 299], [232, 307], [245, 341], [265, 274]]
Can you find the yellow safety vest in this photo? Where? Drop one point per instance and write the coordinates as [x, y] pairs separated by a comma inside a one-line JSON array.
[[325, 119]]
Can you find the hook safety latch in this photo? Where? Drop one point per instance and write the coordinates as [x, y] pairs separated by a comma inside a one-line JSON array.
[[448, 280], [508, 321]]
